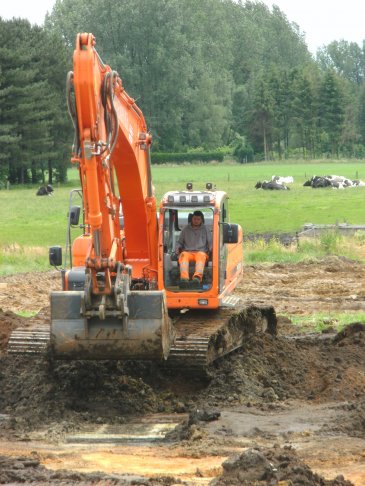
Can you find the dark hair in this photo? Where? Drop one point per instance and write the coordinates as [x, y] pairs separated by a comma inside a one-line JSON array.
[[198, 213]]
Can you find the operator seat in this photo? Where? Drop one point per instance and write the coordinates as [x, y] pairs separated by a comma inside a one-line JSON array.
[[175, 262]]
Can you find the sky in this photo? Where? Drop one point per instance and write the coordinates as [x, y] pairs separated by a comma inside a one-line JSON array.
[[322, 21]]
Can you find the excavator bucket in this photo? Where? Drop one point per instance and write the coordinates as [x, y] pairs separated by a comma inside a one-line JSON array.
[[146, 334]]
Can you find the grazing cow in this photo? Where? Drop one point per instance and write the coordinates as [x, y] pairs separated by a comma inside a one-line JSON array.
[[271, 185], [45, 190]]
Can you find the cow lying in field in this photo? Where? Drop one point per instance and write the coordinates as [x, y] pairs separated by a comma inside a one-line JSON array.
[[282, 180], [271, 185], [334, 181], [45, 190]]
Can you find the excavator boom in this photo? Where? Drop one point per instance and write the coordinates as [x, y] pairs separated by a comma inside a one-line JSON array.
[[119, 313]]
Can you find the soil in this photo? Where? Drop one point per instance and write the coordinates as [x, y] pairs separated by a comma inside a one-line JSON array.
[[282, 410]]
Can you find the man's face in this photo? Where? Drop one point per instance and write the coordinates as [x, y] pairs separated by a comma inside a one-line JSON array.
[[196, 221]]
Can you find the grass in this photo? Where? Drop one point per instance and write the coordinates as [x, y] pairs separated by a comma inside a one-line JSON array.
[[259, 211], [16, 258], [322, 321], [27, 313], [30, 224], [306, 249]]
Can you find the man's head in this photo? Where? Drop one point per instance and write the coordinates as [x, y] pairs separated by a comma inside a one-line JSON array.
[[197, 219]]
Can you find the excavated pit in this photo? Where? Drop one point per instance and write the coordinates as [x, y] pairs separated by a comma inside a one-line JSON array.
[[280, 410]]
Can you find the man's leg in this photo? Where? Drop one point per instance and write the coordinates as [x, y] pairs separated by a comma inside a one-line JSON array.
[[184, 259], [200, 259]]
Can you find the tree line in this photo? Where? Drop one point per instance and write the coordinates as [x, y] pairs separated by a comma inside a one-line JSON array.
[[34, 131], [207, 74]]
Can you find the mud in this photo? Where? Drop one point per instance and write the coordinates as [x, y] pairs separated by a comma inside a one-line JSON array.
[[271, 409], [27, 470]]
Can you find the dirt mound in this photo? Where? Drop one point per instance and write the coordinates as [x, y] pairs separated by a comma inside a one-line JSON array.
[[8, 322], [354, 331], [265, 371], [67, 395], [262, 467], [268, 369], [28, 291]]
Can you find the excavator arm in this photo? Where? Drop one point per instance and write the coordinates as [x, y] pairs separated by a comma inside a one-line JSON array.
[[120, 313], [112, 152]]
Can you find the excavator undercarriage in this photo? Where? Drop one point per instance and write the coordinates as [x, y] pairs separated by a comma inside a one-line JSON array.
[[197, 338]]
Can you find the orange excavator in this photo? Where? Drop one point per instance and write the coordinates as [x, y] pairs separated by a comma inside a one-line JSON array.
[[121, 297]]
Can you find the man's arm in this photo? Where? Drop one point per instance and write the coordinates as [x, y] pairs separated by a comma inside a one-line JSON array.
[[180, 241], [209, 240]]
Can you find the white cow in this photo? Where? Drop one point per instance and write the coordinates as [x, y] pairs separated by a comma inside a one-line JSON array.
[[282, 180]]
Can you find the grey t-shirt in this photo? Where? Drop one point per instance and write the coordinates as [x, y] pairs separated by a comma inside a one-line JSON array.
[[191, 239]]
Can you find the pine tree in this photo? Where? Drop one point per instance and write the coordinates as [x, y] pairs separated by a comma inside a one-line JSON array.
[[331, 113]]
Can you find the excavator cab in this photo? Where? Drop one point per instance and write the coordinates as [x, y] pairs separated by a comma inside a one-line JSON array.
[[223, 269]]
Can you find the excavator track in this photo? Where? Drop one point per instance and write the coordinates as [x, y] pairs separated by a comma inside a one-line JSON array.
[[29, 341], [202, 337]]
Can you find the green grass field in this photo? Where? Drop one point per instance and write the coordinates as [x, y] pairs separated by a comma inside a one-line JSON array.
[[30, 224], [259, 211]]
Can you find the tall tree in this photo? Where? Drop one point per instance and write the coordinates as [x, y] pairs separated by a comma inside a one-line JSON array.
[[29, 102], [346, 58], [304, 111], [361, 114], [261, 119], [331, 113], [181, 59]]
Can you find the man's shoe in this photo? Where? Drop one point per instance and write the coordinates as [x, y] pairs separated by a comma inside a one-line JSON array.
[[196, 282], [184, 283]]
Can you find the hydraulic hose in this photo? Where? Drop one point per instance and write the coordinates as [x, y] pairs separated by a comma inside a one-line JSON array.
[[71, 105]]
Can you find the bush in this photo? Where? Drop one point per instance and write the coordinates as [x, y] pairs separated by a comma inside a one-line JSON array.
[[244, 152]]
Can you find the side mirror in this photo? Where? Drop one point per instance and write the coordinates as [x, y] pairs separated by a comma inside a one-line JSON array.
[[55, 256], [230, 233], [74, 215]]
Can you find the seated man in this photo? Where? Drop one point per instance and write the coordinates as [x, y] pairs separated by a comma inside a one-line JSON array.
[[194, 244]]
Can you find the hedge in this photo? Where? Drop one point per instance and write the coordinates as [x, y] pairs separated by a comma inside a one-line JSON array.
[[178, 158]]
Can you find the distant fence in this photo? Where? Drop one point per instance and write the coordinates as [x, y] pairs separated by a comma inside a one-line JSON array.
[[314, 230]]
